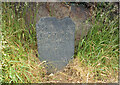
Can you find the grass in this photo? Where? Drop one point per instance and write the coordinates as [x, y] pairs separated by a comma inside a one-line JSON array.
[[98, 50], [19, 62]]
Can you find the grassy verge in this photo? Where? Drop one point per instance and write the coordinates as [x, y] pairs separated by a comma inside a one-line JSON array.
[[99, 48], [19, 49], [98, 51]]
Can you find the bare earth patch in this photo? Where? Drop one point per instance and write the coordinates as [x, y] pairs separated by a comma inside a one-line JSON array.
[[77, 72]]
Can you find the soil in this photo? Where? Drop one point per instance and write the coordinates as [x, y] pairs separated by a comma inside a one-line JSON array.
[[76, 72], [70, 74]]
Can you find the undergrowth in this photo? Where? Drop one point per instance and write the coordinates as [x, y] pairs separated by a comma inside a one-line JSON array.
[[99, 48], [19, 48]]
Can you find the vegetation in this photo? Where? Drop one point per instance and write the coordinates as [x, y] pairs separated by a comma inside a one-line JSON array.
[[19, 62], [99, 49]]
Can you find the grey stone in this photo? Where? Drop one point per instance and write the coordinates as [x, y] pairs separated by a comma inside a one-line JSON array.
[[55, 40]]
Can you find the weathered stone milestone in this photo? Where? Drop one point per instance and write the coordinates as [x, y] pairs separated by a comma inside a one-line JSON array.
[[55, 40]]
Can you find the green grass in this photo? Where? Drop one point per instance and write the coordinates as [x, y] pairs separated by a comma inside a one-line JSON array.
[[19, 62], [99, 49]]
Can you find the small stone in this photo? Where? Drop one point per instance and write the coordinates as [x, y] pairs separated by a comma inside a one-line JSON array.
[[51, 74]]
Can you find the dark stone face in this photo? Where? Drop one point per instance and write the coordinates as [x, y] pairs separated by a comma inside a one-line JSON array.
[[55, 40]]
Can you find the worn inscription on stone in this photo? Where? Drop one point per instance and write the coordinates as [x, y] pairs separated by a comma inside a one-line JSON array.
[[55, 40]]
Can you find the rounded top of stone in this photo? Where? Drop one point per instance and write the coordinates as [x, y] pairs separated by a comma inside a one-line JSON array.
[[65, 19]]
